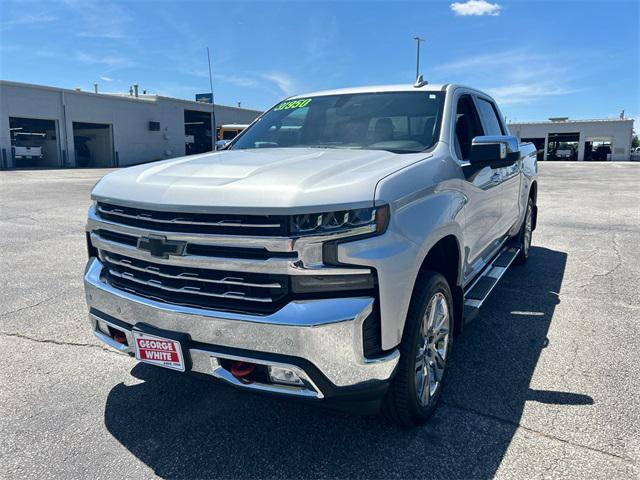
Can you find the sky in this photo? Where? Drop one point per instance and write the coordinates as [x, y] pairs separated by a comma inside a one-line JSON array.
[[538, 58]]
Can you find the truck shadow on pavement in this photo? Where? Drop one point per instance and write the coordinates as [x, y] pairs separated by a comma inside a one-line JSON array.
[[190, 426]]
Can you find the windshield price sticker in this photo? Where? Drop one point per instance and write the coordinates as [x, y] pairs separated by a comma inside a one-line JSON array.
[[303, 102]]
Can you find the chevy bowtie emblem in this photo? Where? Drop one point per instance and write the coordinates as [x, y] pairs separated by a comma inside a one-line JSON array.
[[160, 247]]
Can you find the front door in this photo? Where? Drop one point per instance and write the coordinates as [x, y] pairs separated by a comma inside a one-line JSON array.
[[509, 176], [483, 190]]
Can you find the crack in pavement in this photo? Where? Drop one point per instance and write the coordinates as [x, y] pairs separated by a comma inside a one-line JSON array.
[[27, 307], [610, 271], [58, 342], [506, 421]]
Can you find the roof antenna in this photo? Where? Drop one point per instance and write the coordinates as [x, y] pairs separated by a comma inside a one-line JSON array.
[[420, 82]]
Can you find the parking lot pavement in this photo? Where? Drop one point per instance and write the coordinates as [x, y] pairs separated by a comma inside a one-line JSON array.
[[544, 383]]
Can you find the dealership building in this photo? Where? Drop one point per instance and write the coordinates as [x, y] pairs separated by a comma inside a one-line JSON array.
[[58, 128], [564, 139], [50, 127]]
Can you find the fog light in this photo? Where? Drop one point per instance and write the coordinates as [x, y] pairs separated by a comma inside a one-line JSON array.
[[285, 376], [103, 327]]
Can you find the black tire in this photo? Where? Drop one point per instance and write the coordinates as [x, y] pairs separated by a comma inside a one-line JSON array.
[[401, 404], [524, 243]]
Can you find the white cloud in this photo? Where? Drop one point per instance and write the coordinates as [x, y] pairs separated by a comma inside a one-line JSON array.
[[240, 81], [524, 93], [507, 58], [106, 79], [282, 81], [476, 7], [519, 76], [113, 61], [100, 19], [28, 19]]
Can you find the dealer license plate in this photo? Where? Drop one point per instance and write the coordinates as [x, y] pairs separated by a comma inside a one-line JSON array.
[[160, 351]]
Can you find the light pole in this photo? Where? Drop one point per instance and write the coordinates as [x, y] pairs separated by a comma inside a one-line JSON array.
[[214, 136], [418, 40]]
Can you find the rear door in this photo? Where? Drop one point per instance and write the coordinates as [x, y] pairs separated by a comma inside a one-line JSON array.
[[509, 176], [482, 188]]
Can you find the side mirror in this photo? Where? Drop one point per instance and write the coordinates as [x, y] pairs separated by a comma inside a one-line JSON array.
[[222, 144], [495, 151]]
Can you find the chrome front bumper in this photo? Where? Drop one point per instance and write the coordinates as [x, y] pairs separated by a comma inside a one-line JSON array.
[[327, 333]]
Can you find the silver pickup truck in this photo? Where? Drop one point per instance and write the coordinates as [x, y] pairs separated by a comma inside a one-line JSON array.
[[331, 252]]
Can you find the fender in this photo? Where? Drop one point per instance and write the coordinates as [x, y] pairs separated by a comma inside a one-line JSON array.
[[432, 211]]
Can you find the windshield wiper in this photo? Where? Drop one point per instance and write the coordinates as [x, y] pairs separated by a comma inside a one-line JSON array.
[[395, 150]]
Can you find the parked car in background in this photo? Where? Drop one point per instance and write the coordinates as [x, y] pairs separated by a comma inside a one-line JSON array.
[[28, 146], [602, 153], [331, 253], [31, 153], [228, 132], [565, 154]]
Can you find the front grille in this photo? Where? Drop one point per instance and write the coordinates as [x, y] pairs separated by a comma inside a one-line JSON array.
[[203, 250], [202, 288], [232, 271], [198, 223]]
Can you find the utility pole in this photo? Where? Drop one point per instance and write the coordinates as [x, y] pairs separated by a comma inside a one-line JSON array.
[[418, 40], [214, 136]]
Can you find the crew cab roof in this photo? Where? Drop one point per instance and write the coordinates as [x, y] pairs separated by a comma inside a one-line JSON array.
[[374, 89]]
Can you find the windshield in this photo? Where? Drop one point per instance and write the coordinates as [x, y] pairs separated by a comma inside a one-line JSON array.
[[401, 122]]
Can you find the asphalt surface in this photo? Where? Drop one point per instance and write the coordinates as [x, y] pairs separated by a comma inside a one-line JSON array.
[[543, 384]]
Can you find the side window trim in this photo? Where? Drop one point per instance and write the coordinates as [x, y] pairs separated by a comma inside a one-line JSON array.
[[469, 96], [477, 116], [496, 112], [455, 98]]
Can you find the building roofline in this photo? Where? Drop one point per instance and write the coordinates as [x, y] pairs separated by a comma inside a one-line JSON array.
[[141, 98], [568, 122]]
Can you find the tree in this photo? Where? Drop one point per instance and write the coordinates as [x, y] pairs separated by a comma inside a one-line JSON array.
[[635, 141]]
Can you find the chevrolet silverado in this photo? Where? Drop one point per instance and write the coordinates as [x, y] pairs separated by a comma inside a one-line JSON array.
[[332, 251]]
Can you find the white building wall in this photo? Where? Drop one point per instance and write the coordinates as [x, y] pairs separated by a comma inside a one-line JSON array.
[[619, 131], [128, 117]]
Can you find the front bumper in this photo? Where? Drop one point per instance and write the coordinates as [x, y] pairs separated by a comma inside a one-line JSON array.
[[320, 339]]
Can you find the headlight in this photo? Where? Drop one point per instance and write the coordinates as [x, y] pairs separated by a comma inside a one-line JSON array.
[[368, 220]]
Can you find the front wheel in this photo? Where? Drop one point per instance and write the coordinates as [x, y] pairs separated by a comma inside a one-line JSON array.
[[424, 352]]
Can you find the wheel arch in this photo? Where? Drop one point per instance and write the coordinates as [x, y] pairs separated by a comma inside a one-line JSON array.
[[445, 257], [533, 195]]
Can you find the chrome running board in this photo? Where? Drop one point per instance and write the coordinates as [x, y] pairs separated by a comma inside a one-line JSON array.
[[480, 289]]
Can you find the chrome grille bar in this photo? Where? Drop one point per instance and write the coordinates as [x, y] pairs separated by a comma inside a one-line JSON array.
[[271, 244], [282, 266], [191, 290], [182, 221], [187, 275]]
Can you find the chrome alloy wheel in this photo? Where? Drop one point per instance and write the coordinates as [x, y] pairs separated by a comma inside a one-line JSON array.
[[433, 346], [528, 223]]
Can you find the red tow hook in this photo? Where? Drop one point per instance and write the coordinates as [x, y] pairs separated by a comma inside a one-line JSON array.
[[241, 370], [120, 337]]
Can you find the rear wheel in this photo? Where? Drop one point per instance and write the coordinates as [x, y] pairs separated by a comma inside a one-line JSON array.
[[424, 353], [524, 236]]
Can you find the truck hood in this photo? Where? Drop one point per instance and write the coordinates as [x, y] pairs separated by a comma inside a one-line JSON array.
[[291, 180]]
